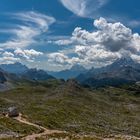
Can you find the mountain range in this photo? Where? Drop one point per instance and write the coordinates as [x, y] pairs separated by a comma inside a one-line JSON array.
[[73, 72], [122, 71], [37, 75], [13, 74], [16, 68]]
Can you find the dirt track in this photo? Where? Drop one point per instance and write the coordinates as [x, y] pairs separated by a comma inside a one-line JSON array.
[[39, 135], [45, 132]]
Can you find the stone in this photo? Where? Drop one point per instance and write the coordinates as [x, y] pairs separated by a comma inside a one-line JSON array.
[[13, 112]]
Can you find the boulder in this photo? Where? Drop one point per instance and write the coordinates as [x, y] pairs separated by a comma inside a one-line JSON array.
[[13, 112]]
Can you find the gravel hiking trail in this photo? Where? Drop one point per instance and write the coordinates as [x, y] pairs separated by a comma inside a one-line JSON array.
[[33, 136]]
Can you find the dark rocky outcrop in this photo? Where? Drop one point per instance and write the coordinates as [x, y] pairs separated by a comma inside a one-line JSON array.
[[13, 112]]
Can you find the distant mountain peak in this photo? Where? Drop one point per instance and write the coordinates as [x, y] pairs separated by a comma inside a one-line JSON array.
[[78, 67], [73, 72], [14, 68], [35, 74], [18, 64], [124, 61], [123, 70]]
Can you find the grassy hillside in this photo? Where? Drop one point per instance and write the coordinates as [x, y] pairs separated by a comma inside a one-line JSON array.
[[68, 106], [12, 127]]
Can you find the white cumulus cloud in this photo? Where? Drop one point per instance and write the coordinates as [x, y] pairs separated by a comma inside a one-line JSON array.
[[57, 57], [27, 54], [102, 46]]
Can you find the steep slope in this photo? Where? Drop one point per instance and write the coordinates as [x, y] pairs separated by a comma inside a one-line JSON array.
[[15, 68], [7, 81], [37, 75], [73, 72], [24, 73], [2, 77]]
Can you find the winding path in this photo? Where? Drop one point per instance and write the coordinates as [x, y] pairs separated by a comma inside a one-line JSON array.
[[46, 132], [34, 136]]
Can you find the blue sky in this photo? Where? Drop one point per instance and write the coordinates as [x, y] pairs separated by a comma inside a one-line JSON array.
[[56, 34]]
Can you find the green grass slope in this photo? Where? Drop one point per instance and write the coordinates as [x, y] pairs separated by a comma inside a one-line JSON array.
[[68, 106]]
